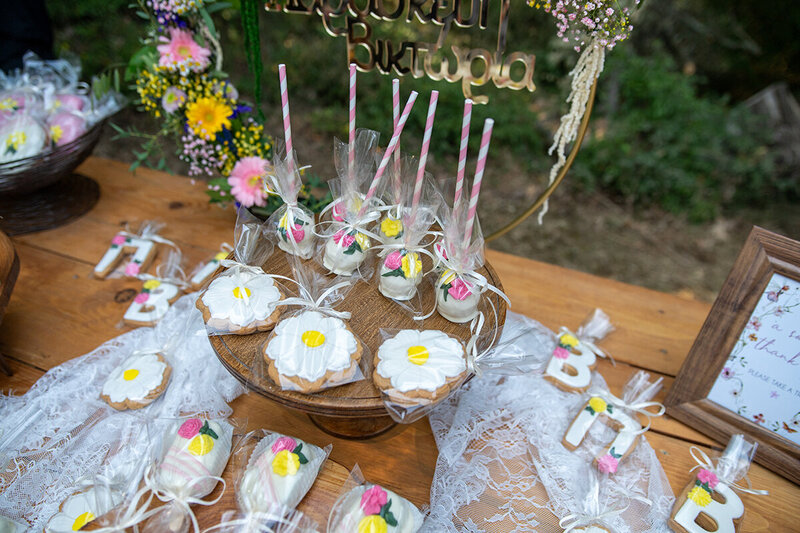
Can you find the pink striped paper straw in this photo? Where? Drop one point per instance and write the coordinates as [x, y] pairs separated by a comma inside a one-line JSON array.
[[462, 154], [389, 149], [287, 125], [476, 184], [351, 156], [423, 154], [395, 117]]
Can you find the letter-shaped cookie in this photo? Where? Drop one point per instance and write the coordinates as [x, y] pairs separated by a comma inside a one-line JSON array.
[[697, 500], [144, 250], [627, 430], [202, 275], [571, 353], [150, 305]]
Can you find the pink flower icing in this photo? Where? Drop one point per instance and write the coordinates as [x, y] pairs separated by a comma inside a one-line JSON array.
[[141, 298], [119, 240], [284, 443], [298, 233], [190, 428], [607, 464], [707, 476], [373, 499], [394, 260], [70, 125], [459, 289], [560, 353], [132, 269], [73, 102], [345, 241]]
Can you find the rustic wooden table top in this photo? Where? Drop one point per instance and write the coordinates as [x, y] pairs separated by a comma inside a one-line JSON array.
[[58, 311]]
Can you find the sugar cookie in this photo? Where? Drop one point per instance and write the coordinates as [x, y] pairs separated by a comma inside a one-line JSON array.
[[570, 367], [137, 382], [81, 508], [240, 303], [698, 499], [144, 251], [202, 276], [150, 305]]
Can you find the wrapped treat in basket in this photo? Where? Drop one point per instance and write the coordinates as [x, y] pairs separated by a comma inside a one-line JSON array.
[[243, 299], [314, 348], [292, 224], [366, 507]]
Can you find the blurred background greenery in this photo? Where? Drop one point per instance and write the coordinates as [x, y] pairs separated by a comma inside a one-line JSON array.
[[678, 147]]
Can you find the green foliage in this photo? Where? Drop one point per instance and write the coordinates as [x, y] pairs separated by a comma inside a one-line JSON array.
[[657, 142]]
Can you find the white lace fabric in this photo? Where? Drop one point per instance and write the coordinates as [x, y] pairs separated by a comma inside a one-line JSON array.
[[60, 436], [502, 467]]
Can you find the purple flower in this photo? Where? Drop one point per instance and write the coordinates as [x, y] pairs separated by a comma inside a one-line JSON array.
[[173, 99], [727, 373]]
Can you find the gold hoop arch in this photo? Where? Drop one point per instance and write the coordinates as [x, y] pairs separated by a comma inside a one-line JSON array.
[[559, 178]]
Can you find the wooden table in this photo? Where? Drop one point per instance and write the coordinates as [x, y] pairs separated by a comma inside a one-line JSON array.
[[58, 311]]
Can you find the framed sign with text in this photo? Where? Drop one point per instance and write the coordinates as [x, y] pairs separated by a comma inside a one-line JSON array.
[[742, 374]]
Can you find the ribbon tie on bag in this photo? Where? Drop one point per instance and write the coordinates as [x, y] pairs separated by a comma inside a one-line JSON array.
[[589, 344], [182, 498], [256, 523], [573, 521], [475, 328], [149, 231], [704, 461], [640, 408], [307, 300]]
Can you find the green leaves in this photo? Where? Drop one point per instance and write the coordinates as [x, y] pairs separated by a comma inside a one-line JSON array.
[[300, 457], [206, 430], [387, 515], [398, 272]]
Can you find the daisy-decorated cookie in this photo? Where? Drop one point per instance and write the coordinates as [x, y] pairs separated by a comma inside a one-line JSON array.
[[137, 382], [371, 508], [417, 366], [240, 303], [196, 450], [81, 508], [311, 351], [281, 470]]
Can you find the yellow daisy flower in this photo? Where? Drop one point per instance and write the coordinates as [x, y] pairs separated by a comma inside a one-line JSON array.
[[372, 524], [207, 116], [700, 496], [568, 340], [411, 265], [151, 284], [598, 405], [286, 463], [391, 227], [363, 241]]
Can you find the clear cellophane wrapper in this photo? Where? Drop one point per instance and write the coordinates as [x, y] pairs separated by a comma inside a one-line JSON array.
[[275, 519], [364, 506], [61, 430], [396, 191], [291, 226], [131, 266], [502, 466], [275, 470], [313, 347], [347, 225]]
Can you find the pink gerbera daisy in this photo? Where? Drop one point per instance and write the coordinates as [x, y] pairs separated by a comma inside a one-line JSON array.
[[181, 52], [247, 181]]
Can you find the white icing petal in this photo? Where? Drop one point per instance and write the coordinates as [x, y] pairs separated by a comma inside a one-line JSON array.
[[294, 358], [445, 360], [150, 373], [90, 501], [223, 304]]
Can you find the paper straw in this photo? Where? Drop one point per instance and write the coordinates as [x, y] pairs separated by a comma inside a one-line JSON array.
[[351, 156], [476, 184], [398, 184], [287, 125], [389, 149], [423, 154], [462, 154]]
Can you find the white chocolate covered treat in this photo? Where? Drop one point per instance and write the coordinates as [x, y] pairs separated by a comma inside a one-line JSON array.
[[81, 508], [20, 137], [241, 302], [344, 252], [456, 299], [196, 450], [280, 470], [401, 272], [137, 382], [299, 239], [371, 508]]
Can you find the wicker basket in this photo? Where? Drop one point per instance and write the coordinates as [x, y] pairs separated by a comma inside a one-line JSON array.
[[26, 175]]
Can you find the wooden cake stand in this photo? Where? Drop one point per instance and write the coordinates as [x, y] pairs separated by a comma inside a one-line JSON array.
[[355, 410]]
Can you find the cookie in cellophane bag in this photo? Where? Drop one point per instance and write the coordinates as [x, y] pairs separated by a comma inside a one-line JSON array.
[[292, 224], [367, 507], [243, 299]]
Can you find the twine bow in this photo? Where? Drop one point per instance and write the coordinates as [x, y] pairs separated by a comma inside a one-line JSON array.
[[596, 350], [704, 461], [640, 408]]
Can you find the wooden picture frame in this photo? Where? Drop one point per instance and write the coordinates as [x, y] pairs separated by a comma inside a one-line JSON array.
[[763, 255]]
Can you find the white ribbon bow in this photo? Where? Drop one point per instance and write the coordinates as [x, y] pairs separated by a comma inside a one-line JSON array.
[[704, 461], [636, 407]]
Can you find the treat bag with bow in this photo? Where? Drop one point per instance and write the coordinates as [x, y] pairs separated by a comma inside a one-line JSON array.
[[396, 194], [129, 254], [314, 347], [158, 292], [711, 501], [275, 470], [292, 224], [364, 506], [575, 355], [193, 455], [243, 299], [349, 233]]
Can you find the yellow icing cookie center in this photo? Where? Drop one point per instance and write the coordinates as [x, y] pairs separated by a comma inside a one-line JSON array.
[[82, 520], [237, 292], [201, 445], [418, 355], [130, 374], [312, 338]]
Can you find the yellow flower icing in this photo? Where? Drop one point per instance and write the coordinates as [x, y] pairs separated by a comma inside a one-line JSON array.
[[372, 524], [391, 227], [363, 241], [700, 496], [286, 463], [598, 404], [82, 520], [447, 277], [418, 355], [201, 445], [411, 265], [568, 340], [130, 374], [151, 284], [221, 255]]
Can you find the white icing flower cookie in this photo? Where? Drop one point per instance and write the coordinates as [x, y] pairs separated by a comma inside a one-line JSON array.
[[281, 469], [81, 508], [240, 303], [311, 351], [371, 508], [137, 382], [419, 366], [197, 449]]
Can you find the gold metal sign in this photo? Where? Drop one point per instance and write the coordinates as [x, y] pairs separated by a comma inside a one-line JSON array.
[[353, 20]]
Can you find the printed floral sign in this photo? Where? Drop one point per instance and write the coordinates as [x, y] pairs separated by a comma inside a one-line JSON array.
[[761, 379]]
